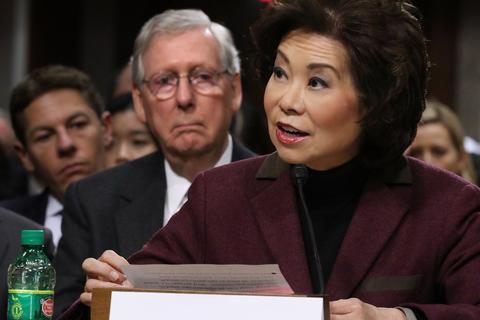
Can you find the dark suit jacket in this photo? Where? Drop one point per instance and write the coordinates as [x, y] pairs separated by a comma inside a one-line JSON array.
[[413, 241], [117, 209], [33, 207], [11, 226]]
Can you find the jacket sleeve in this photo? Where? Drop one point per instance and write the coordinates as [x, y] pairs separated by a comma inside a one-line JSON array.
[[458, 262]]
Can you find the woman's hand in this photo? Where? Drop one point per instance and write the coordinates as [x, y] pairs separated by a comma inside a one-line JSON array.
[[355, 309], [104, 273]]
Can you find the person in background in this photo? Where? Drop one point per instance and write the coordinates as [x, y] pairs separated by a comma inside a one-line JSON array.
[[57, 115], [187, 87], [439, 141], [123, 82], [7, 137], [338, 206], [11, 225], [131, 138], [13, 177]]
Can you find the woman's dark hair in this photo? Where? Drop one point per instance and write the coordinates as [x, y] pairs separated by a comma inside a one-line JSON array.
[[44, 80], [387, 59]]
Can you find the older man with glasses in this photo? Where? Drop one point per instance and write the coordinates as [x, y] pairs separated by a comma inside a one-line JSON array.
[[187, 87]]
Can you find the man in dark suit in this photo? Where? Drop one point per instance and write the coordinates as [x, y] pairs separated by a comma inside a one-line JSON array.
[[57, 116], [187, 87], [11, 226]]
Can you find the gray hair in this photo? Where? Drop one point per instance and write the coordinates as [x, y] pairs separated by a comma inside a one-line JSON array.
[[177, 22]]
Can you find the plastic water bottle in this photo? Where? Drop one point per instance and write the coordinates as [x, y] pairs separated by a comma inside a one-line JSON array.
[[31, 280]]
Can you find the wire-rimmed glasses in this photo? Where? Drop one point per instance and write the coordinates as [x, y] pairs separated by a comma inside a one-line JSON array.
[[164, 85]]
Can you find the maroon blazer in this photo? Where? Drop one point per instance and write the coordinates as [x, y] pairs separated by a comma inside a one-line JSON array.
[[413, 241]]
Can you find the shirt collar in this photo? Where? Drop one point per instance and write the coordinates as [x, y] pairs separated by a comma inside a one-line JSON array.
[[53, 206], [177, 186]]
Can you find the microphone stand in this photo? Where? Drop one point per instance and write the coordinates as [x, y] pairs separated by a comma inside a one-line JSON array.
[[300, 174]]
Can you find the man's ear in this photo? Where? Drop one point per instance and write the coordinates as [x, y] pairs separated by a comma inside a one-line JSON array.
[[107, 128], [138, 104], [24, 157], [237, 92]]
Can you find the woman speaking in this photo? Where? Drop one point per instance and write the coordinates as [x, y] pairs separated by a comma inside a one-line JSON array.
[[337, 206]]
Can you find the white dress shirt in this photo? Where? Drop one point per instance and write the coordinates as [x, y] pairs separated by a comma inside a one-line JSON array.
[[177, 186], [53, 219]]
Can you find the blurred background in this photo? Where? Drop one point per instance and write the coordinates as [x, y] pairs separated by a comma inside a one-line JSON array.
[[97, 36]]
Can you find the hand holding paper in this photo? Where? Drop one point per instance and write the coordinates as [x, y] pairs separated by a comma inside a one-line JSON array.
[[104, 272]]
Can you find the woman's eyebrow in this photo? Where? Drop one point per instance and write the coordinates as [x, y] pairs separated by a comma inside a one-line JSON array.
[[283, 56], [313, 66]]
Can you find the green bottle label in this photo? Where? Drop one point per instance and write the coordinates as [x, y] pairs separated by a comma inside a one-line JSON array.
[[30, 304]]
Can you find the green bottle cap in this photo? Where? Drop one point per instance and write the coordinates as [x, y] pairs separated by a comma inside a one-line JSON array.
[[33, 237]]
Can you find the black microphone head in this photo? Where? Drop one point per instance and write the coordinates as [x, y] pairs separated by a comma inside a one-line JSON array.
[[299, 174]]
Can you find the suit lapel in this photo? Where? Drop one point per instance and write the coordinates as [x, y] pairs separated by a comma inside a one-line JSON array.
[[275, 209], [142, 202], [36, 207], [378, 214]]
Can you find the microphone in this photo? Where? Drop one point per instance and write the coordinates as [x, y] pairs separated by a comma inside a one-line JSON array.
[[300, 173], [300, 177]]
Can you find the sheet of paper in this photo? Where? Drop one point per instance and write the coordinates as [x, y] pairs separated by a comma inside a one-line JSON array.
[[184, 306], [209, 277]]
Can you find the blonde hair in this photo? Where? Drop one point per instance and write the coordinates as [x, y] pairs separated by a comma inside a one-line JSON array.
[[437, 112]]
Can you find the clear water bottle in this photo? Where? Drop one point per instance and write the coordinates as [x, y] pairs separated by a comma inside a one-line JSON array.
[[31, 280]]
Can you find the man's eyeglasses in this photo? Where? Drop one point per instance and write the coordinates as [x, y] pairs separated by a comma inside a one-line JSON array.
[[164, 85]]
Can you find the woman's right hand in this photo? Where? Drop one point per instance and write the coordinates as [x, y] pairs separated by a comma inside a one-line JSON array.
[[104, 272]]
